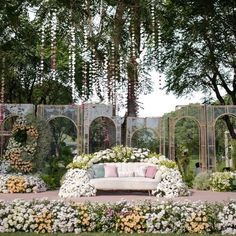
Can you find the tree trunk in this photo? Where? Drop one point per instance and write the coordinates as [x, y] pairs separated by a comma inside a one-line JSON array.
[[230, 126]]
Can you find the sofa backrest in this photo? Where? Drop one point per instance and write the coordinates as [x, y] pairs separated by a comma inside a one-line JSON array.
[[137, 168]]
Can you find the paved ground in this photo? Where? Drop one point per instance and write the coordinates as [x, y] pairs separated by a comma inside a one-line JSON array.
[[109, 196]]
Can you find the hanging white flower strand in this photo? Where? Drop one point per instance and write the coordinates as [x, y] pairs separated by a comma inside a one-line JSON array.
[[112, 82], [153, 21], [2, 108], [3, 80], [159, 55], [85, 57], [53, 44], [133, 54], [41, 69], [72, 62], [105, 77]]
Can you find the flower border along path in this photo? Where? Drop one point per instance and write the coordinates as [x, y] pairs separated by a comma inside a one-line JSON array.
[[44, 216]]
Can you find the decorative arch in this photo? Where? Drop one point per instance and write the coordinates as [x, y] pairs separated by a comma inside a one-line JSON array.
[[62, 116], [227, 160], [69, 142], [71, 112], [183, 151], [196, 113], [82, 116], [137, 123], [213, 113], [153, 145], [102, 134], [220, 116], [93, 111], [206, 116]]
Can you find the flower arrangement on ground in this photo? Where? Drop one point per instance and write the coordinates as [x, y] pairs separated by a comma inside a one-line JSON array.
[[24, 156], [43, 216], [18, 183], [76, 180]]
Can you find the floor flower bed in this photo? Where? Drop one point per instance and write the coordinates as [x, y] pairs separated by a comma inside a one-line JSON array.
[[43, 216]]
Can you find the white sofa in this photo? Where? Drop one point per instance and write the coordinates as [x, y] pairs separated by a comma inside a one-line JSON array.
[[137, 181]]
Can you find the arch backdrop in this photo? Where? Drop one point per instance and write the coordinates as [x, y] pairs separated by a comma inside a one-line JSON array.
[[164, 127]]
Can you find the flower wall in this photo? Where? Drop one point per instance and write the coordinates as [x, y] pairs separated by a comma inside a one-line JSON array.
[[43, 216]]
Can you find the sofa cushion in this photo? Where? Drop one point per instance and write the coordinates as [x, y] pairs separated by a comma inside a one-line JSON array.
[[98, 171], [125, 173], [110, 171], [151, 172], [125, 183], [140, 171]]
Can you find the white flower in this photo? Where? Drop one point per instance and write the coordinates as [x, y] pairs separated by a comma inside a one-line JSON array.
[[76, 184]]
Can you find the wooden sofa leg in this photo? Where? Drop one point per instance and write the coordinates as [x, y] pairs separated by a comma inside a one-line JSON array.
[[149, 192]]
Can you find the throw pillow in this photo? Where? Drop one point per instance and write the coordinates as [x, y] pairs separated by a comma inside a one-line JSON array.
[[110, 171], [98, 171], [151, 172], [125, 173], [140, 171]]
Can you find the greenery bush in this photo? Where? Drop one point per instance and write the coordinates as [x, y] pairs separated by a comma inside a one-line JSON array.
[[202, 181], [221, 181], [56, 167]]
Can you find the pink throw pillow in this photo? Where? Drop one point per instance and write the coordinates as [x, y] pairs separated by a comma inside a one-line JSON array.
[[151, 172], [110, 171]]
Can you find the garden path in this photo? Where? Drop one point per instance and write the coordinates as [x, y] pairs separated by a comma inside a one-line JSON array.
[[113, 196]]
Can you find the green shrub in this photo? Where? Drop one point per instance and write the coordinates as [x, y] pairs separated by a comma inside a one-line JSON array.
[[56, 167], [202, 181], [221, 181], [188, 178]]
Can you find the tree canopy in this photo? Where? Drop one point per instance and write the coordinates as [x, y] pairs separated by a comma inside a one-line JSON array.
[[109, 47], [199, 49]]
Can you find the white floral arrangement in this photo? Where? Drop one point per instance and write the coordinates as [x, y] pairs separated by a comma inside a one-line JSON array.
[[76, 181], [116, 154], [19, 183], [76, 184], [227, 219], [43, 216], [171, 184]]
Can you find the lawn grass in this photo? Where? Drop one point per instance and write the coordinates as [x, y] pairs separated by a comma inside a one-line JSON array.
[[97, 234]]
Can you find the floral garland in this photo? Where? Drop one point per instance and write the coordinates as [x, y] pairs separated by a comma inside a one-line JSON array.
[[18, 183], [22, 146], [76, 181], [43, 216]]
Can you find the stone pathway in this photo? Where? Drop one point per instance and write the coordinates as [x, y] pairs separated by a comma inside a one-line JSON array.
[[113, 196]]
